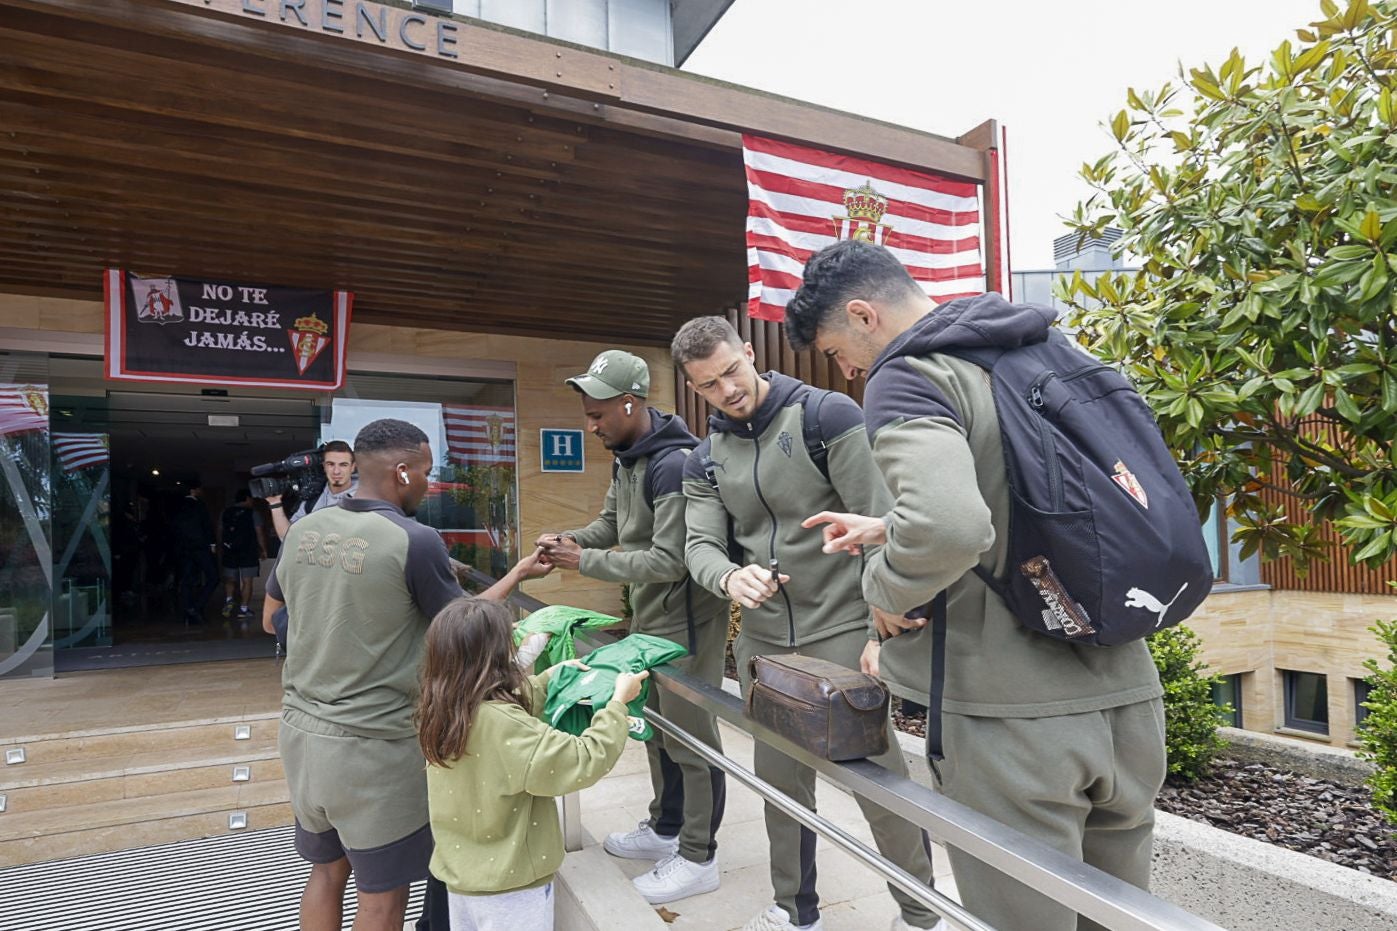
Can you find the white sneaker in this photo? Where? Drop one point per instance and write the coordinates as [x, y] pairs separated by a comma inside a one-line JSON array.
[[900, 924], [776, 919], [676, 878], [641, 844]]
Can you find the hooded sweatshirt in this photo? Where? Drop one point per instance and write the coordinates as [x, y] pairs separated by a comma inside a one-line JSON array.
[[766, 485], [935, 435], [664, 602]]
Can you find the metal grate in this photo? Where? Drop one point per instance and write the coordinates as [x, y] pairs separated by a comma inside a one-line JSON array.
[[242, 882]]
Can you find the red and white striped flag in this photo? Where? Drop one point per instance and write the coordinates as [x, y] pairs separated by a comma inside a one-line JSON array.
[[81, 450], [23, 408], [479, 435], [803, 199]]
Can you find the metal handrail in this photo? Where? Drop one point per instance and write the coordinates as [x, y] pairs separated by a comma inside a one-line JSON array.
[[1099, 896]]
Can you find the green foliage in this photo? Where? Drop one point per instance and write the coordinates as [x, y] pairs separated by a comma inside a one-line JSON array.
[[1191, 720], [1378, 733], [1259, 199]]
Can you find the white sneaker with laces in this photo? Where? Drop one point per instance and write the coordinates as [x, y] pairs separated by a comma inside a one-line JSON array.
[[900, 924], [676, 878], [776, 919], [641, 844]]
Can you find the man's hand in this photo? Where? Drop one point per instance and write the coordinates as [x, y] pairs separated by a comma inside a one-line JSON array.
[[562, 551], [868, 661], [752, 585], [848, 533], [890, 625]]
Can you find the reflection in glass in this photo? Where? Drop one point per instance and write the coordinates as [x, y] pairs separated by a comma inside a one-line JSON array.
[[26, 494]]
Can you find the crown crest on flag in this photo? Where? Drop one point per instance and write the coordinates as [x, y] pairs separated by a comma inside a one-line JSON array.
[[864, 203], [312, 324]]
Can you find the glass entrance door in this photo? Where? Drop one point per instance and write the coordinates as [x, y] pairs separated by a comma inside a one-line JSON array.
[[26, 499]]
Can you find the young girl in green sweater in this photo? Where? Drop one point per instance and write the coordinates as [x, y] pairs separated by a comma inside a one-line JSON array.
[[494, 768]]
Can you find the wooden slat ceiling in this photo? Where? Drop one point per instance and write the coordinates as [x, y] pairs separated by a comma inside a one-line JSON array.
[[437, 207]]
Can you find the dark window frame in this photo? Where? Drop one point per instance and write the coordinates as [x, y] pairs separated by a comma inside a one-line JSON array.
[[1361, 691], [1235, 680], [1294, 721]]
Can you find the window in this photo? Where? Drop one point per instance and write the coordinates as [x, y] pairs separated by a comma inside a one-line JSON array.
[[1306, 701], [1227, 691], [1361, 690], [1215, 536]]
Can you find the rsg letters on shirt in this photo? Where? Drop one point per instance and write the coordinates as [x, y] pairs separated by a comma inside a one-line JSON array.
[[332, 550]]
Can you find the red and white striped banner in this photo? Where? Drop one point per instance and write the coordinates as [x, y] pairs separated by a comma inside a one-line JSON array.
[[23, 408], [479, 435], [81, 450], [803, 199]]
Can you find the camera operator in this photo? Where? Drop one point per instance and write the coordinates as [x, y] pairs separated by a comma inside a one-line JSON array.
[[337, 459]]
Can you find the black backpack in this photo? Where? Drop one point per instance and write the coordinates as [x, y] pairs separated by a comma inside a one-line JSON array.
[[1105, 541], [647, 491], [239, 534]]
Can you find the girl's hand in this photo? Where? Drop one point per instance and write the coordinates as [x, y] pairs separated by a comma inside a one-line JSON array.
[[628, 686], [530, 650], [570, 662]]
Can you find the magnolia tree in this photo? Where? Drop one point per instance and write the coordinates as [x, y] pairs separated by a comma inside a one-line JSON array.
[[1258, 200]]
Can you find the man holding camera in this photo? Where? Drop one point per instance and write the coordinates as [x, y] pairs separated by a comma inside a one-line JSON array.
[[337, 459]]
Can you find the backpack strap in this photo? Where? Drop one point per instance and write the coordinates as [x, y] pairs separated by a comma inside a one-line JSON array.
[[815, 446], [648, 491], [934, 751]]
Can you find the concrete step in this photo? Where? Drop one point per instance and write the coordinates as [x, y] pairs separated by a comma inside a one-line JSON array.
[[119, 824], [141, 738], [78, 782], [94, 791]]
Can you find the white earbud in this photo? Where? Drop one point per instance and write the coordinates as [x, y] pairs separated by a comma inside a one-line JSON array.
[[402, 477], [628, 407]]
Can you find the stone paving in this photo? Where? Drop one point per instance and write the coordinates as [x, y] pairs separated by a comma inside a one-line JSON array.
[[852, 897]]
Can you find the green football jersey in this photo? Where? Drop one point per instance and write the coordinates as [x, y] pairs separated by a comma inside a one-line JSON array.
[[573, 693]]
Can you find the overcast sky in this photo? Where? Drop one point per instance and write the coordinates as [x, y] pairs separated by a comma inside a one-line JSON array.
[[1051, 73]]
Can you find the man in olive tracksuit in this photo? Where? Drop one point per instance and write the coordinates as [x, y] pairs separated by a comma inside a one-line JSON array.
[[1062, 741], [755, 474], [639, 539]]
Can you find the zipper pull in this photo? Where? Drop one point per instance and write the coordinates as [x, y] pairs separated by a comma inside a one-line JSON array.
[[1035, 398]]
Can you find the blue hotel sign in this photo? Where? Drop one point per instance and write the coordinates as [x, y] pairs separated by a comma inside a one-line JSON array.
[[561, 450]]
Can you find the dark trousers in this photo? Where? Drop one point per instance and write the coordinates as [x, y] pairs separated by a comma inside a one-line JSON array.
[[198, 577]]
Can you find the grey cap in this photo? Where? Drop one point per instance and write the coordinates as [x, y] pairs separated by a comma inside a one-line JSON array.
[[612, 374]]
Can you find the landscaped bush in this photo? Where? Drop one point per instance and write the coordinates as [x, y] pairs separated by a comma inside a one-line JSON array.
[[1378, 732], [1190, 717]]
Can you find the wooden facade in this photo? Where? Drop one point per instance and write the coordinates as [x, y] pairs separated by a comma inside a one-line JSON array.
[[1337, 573], [452, 174]]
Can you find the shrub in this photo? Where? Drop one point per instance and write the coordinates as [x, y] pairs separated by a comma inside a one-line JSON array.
[[1191, 719], [1378, 732]]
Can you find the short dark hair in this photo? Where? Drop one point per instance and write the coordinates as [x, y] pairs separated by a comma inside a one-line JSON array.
[[389, 435], [698, 338], [337, 446], [242, 495], [848, 270]]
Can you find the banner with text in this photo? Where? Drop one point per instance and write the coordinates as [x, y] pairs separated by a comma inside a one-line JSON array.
[[218, 332]]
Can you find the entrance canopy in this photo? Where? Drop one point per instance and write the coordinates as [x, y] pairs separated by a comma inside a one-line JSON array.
[[452, 174]]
